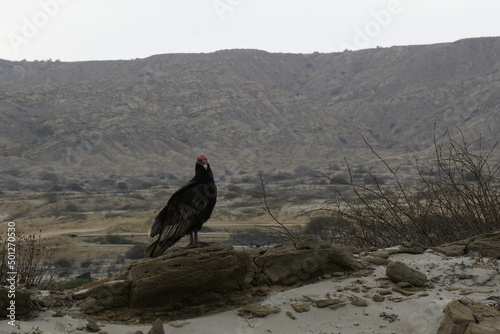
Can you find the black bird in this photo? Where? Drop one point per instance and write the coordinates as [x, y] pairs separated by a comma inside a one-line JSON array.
[[186, 210]]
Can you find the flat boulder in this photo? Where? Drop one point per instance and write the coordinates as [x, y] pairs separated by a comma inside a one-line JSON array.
[[486, 245], [303, 259], [400, 272]]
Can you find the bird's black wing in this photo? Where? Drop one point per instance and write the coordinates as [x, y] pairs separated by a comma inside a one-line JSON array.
[[185, 210]]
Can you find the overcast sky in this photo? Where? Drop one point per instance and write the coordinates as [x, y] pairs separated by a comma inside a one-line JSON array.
[[72, 30]]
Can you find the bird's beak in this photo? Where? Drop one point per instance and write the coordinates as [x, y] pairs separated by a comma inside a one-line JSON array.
[[205, 165]]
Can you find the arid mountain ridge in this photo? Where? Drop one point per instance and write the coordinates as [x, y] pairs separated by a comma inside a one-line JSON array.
[[247, 110]]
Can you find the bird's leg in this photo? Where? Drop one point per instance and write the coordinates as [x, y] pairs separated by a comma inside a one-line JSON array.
[[193, 238]]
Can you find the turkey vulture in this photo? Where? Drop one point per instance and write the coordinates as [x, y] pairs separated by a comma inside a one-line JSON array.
[[186, 210]]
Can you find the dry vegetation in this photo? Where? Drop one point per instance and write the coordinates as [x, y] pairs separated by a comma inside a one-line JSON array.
[[455, 197]]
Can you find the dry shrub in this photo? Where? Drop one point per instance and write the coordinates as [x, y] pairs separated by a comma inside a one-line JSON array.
[[32, 261], [456, 197]]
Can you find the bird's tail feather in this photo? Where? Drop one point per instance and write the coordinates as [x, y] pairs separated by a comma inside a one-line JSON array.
[[155, 229], [156, 249]]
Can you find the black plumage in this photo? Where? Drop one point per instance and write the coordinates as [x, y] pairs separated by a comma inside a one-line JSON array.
[[186, 210]]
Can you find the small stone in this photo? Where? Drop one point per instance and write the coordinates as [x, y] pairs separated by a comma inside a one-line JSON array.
[[385, 284], [384, 292], [92, 326], [336, 306], [58, 314], [290, 315], [327, 302], [179, 324], [157, 327], [396, 299], [359, 302], [301, 307], [403, 291], [259, 311], [404, 285]]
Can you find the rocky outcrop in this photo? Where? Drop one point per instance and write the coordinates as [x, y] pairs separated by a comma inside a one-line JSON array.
[[303, 259], [192, 276], [198, 279], [486, 245], [465, 316], [193, 280]]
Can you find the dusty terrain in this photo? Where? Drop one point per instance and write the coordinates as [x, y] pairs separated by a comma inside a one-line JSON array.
[[366, 302]]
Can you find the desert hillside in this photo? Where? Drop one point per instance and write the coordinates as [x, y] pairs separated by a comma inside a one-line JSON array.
[[247, 110]]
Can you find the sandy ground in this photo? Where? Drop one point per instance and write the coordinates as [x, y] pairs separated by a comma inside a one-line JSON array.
[[420, 313]]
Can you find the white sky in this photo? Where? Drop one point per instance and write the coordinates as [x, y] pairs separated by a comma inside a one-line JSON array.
[[71, 30]]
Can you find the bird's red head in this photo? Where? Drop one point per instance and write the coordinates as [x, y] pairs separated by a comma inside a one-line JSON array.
[[202, 161]]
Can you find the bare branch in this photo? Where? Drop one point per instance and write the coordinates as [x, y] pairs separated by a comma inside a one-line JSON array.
[[263, 200]]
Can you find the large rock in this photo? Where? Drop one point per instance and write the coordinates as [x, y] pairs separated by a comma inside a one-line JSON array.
[[188, 276], [303, 259], [193, 280], [487, 245], [400, 272], [469, 317]]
